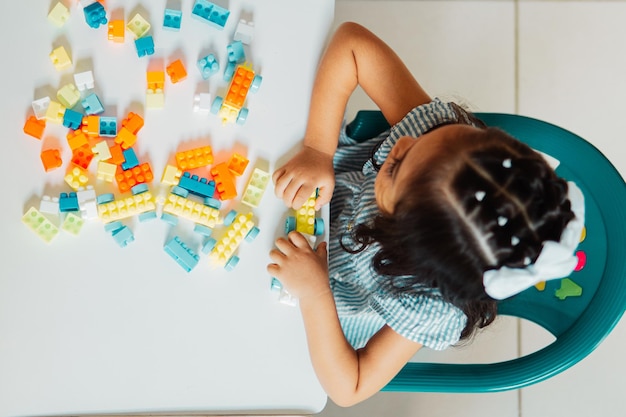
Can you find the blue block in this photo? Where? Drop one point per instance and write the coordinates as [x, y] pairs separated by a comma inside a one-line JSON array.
[[123, 236], [235, 52], [145, 46], [210, 13], [108, 126], [196, 185], [182, 254], [208, 66], [92, 104], [68, 202], [172, 19], [72, 119], [130, 159], [95, 15]]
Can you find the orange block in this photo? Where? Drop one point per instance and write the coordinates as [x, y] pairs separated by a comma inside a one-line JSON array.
[[176, 71], [237, 164], [194, 158], [224, 181], [91, 125], [51, 159], [82, 156], [127, 179], [76, 139], [34, 127], [116, 31], [117, 155], [125, 138], [133, 122], [239, 86], [156, 80]]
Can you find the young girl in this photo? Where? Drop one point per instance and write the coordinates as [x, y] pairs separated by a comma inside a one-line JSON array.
[[429, 223]]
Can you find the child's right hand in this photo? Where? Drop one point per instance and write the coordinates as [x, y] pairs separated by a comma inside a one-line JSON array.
[[309, 169]]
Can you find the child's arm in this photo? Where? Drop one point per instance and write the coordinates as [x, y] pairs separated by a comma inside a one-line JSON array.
[[347, 375], [354, 56]]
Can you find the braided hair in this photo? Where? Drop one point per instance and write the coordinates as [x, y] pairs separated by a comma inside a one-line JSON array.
[[488, 204]]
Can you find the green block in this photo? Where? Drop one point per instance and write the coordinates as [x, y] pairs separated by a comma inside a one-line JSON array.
[[72, 224], [38, 223]]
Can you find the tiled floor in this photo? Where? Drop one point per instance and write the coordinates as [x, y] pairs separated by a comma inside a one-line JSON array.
[[560, 61]]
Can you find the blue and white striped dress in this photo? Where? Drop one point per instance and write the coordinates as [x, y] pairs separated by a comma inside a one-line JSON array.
[[363, 306]]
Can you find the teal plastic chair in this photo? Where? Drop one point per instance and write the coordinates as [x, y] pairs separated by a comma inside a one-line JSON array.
[[578, 322]]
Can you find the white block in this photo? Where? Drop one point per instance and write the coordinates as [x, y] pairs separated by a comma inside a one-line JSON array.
[[84, 80], [244, 32], [202, 102]]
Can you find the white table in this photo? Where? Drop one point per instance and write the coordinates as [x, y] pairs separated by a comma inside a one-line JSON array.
[[88, 327]]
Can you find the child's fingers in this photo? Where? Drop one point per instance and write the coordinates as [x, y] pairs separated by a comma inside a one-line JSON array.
[[298, 240], [323, 197], [277, 256], [322, 250], [283, 245]]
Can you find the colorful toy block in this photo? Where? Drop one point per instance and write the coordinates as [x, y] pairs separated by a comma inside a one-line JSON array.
[[68, 95], [256, 188], [60, 59], [133, 122], [305, 221], [92, 104], [34, 127], [155, 99], [95, 15], [127, 179], [235, 52], [116, 31], [197, 186], [230, 109], [123, 236], [210, 13], [87, 203], [108, 126], [202, 102], [177, 205], [51, 159], [59, 15], [41, 226], [141, 202], [208, 66], [130, 159], [72, 119], [84, 80], [176, 71], [138, 26], [117, 157], [82, 156], [194, 158], [68, 202], [224, 181], [125, 138], [155, 80], [91, 125], [244, 32], [171, 175], [49, 205], [72, 224], [76, 177], [55, 112], [172, 19], [237, 164], [76, 139], [283, 295], [106, 171], [145, 46], [242, 227], [181, 253], [40, 107]]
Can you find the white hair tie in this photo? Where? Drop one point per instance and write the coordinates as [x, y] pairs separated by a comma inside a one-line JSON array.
[[556, 259]]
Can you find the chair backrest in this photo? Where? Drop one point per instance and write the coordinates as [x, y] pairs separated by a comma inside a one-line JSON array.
[[580, 310]]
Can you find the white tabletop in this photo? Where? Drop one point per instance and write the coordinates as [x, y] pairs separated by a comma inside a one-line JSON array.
[[89, 327]]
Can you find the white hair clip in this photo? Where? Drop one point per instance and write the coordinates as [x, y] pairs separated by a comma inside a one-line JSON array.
[[556, 259], [514, 240], [502, 220], [507, 163], [479, 195]]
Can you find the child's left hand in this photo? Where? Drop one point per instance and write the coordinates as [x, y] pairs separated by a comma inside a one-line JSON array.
[[302, 270]]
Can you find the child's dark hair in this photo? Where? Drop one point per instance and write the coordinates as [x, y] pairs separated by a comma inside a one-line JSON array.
[[489, 204]]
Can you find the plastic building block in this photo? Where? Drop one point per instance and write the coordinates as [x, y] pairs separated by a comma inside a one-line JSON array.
[[208, 66], [76, 177], [130, 159], [237, 164], [59, 15], [68, 202], [34, 127], [101, 150], [194, 158], [230, 109], [244, 32], [145, 46], [155, 99], [568, 289], [87, 203], [224, 181], [171, 175], [116, 31], [202, 230], [127, 179], [235, 52], [95, 15], [178, 205], [51, 159], [197, 186], [305, 221], [125, 138], [82, 156], [55, 112], [202, 102], [106, 171], [72, 119], [49, 205], [68, 95], [123, 236], [176, 71], [172, 19], [92, 104], [112, 210], [108, 126], [84, 80], [156, 80], [72, 224], [181, 253], [40, 107], [41, 226], [76, 139], [256, 188], [60, 59], [237, 231], [138, 26], [117, 157], [91, 125], [133, 122], [210, 13]]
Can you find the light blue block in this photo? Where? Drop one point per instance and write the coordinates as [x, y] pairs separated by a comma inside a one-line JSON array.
[[172, 19], [92, 104], [108, 126], [123, 236], [72, 119], [145, 46], [235, 52], [181, 253], [208, 66], [210, 13], [130, 159]]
